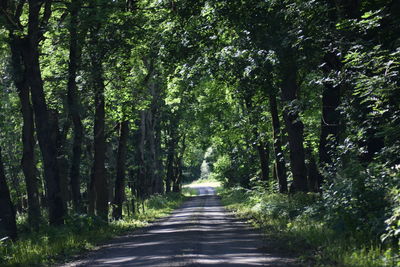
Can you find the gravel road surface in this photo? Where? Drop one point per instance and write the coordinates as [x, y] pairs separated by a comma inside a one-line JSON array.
[[200, 233]]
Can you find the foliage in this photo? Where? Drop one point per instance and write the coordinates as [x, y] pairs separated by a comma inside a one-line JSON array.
[[300, 223]]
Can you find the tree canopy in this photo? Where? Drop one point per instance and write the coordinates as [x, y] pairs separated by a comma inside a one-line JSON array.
[[106, 103]]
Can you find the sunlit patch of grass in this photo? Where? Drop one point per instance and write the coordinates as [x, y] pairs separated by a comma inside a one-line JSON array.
[[81, 232], [287, 220], [189, 191], [203, 183]]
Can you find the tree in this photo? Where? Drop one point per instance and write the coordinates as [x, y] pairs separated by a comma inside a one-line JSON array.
[[100, 197], [121, 166], [74, 104], [25, 52], [7, 213]]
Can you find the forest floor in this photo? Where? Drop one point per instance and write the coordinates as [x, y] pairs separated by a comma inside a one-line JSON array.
[[200, 233]]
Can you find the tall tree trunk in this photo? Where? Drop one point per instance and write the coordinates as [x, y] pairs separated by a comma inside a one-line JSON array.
[[312, 173], [155, 139], [151, 144], [91, 190], [294, 126], [28, 141], [177, 186], [8, 225], [62, 161], [132, 185], [99, 172], [280, 168], [264, 160], [159, 186], [170, 164], [99, 144], [121, 167], [143, 177], [74, 107], [46, 143]]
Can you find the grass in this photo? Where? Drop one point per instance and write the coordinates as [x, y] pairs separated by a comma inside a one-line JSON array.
[[294, 225], [190, 190], [80, 233], [203, 182]]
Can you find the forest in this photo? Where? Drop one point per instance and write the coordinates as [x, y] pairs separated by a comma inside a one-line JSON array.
[[293, 105]]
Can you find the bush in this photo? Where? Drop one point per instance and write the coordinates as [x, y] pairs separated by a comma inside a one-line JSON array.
[[317, 227]]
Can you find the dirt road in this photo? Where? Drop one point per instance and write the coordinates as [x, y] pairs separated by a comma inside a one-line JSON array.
[[200, 233]]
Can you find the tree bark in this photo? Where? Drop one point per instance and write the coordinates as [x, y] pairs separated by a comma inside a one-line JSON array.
[[264, 160], [177, 186], [99, 144], [8, 225], [312, 174], [280, 169], [159, 185], [18, 46], [60, 138], [155, 139], [294, 126], [74, 107], [119, 194], [46, 143], [143, 174], [151, 145], [99, 178], [170, 161]]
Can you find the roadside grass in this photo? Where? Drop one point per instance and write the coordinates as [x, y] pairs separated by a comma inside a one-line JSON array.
[[203, 182], [292, 223], [189, 191], [53, 244]]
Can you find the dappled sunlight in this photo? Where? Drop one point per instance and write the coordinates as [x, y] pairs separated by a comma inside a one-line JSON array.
[[201, 232]]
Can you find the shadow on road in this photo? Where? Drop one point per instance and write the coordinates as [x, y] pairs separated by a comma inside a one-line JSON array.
[[200, 233]]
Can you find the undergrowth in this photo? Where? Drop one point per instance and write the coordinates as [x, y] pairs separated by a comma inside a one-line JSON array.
[[53, 244], [298, 221]]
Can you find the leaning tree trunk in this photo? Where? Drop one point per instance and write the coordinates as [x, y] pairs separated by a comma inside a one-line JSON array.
[[293, 124], [280, 169], [46, 143], [18, 46], [8, 225], [74, 107], [121, 167]]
